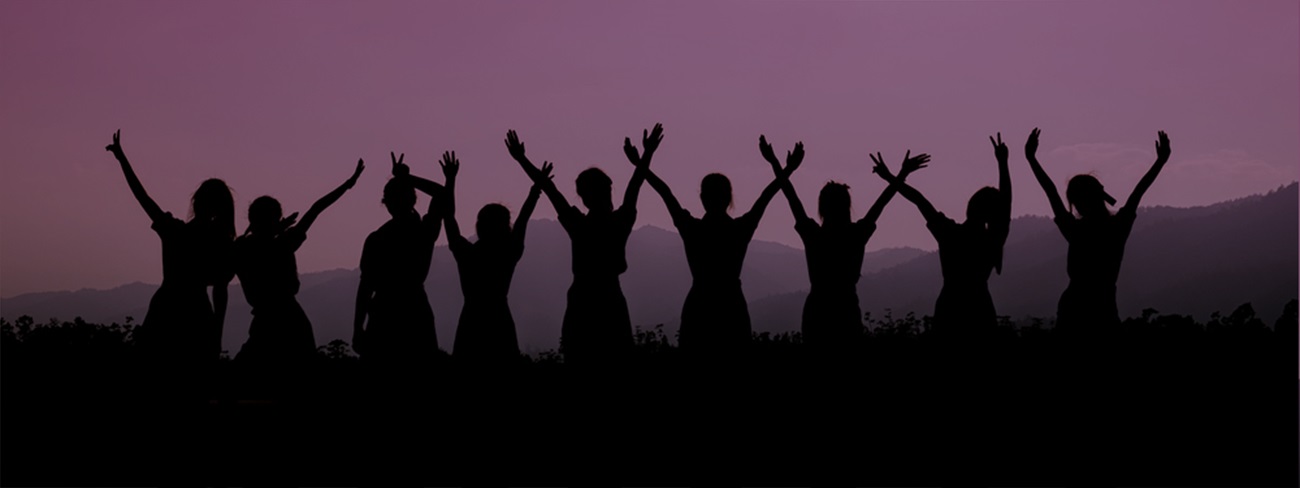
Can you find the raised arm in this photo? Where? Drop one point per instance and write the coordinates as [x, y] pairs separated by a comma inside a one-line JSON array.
[[401, 170], [329, 199], [516, 149], [1002, 154], [910, 165], [791, 197], [927, 210], [450, 168], [650, 141], [150, 208], [792, 161], [1004, 185], [1053, 197], [1000, 226], [1162, 156], [437, 193], [530, 203], [674, 208]]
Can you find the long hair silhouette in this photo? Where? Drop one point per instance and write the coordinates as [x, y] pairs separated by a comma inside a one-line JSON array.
[[394, 324], [968, 252], [182, 328], [1096, 238], [281, 333], [834, 250], [596, 327], [715, 316], [485, 335]]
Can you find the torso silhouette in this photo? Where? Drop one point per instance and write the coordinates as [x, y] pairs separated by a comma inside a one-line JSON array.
[[715, 314], [268, 274], [1093, 262], [599, 242], [180, 324], [596, 322], [834, 251], [486, 329], [967, 256], [395, 261]]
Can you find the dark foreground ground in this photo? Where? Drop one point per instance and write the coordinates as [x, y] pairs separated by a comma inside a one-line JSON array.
[[1155, 403]]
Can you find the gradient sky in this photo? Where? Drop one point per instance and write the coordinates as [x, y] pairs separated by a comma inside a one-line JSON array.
[[282, 97]]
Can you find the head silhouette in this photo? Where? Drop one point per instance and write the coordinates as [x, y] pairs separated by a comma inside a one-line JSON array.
[[595, 187], [834, 204], [983, 206], [715, 193], [493, 222], [399, 197], [1087, 196], [263, 215], [214, 204]]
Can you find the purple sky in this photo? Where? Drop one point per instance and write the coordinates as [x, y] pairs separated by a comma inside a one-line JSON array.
[[281, 98]]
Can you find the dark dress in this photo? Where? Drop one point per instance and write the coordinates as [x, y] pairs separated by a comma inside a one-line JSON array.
[[395, 262], [180, 328], [715, 316], [831, 314], [596, 325], [268, 274], [486, 332], [1093, 261], [967, 256]]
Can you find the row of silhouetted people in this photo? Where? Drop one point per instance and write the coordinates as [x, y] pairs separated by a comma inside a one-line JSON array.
[[394, 322]]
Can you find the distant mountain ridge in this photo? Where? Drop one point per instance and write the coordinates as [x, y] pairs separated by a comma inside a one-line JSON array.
[[1178, 260]]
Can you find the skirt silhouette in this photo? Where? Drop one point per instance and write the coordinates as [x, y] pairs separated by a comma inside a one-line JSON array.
[[486, 332], [715, 318]]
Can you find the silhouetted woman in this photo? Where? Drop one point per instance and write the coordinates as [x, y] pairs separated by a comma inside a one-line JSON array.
[[834, 251], [486, 332], [394, 264], [715, 317], [596, 328], [268, 272], [1096, 238], [969, 251], [182, 328]]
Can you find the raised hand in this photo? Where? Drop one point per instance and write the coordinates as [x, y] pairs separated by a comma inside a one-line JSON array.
[[515, 147], [399, 168], [545, 172], [116, 146], [1162, 147], [913, 163], [650, 142], [1000, 150], [632, 155], [361, 166], [794, 158], [1031, 146], [450, 165], [880, 167], [768, 155], [287, 222]]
